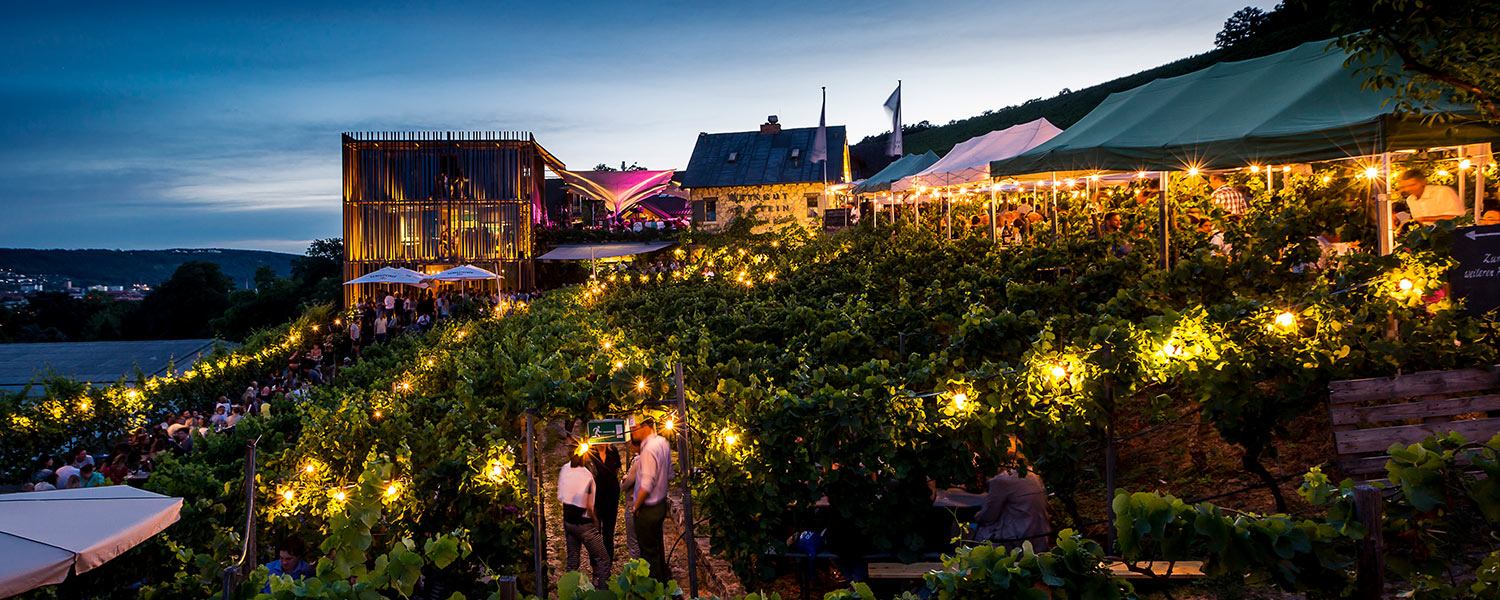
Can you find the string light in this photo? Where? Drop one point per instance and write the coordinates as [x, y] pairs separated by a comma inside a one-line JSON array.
[[729, 438], [640, 384], [287, 495], [1140, 174], [132, 394], [606, 344], [392, 489], [960, 400], [377, 414], [1192, 172], [1327, 179], [667, 425], [1254, 168], [584, 447], [1057, 372], [619, 364], [1286, 320], [1286, 169], [1441, 173], [1465, 164], [1405, 284], [309, 468], [1371, 172], [339, 495]]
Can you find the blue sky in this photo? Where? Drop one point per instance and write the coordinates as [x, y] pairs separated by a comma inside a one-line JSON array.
[[156, 125]]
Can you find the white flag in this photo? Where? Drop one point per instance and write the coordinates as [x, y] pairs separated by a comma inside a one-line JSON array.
[[893, 108], [820, 141]]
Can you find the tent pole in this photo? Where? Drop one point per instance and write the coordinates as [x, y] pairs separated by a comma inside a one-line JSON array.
[[1166, 237], [1459, 178], [1383, 205], [1483, 160], [1269, 182], [1054, 207], [993, 198]]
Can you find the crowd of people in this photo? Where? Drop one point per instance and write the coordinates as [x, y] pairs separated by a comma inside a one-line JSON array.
[[133, 456], [385, 314]]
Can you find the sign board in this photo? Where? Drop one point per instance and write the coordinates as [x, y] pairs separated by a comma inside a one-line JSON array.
[[606, 431], [1476, 279]]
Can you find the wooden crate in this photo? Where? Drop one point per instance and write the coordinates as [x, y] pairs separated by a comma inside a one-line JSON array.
[[1369, 415]]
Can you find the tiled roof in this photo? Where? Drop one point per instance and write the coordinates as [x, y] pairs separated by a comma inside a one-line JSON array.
[[762, 158]]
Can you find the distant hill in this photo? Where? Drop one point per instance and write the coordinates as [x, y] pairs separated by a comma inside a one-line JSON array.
[[1065, 109], [124, 267]]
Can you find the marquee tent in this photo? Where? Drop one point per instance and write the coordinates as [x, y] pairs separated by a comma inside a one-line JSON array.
[[46, 535], [1299, 105], [969, 161], [619, 190], [906, 166], [602, 251]]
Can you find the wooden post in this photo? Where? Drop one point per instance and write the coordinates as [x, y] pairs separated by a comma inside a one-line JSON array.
[[993, 199], [539, 525], [507, 585], [234, 573], [1110, 454], [1369, 506], [685, 454]]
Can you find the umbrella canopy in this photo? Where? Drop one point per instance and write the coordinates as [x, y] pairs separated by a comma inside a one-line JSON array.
[[969, 161], [905, 166], [601, 251], [389, 275], [43, 535], [1299, 105], [462, 273]]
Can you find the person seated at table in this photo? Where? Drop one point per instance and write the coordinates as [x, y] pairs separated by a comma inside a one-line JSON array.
[[89, 477], [1015, 509], [47, 483], [118, 468], [43, 469], [1428, 203], [290, 555]]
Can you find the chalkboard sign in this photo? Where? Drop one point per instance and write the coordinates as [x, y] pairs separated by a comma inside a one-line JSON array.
[[1476, 279]]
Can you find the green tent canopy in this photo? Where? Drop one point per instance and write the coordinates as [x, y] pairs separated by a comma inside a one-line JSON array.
[[905, 166], [1300, 105]]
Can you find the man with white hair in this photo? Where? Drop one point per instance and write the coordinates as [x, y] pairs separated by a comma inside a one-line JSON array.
[[649, 498]]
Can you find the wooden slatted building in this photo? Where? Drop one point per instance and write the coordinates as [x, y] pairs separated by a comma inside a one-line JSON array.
[[431, 200]]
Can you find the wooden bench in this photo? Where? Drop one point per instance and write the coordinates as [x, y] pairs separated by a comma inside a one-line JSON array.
[[1369, 415], [903, 571], [1160, 570]]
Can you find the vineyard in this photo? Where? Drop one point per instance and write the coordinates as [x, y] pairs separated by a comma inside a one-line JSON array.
[[856, 367]]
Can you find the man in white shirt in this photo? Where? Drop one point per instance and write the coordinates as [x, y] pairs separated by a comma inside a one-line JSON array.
[[1429, 203], [575, 489], [66, 474], [649, 499]]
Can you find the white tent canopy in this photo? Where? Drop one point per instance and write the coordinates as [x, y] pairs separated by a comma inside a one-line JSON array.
[[601, 251], [397, 275], [969, 161], [44, 535], [462, 273]]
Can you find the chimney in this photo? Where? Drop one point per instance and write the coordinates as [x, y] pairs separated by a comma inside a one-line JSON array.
[[772, 125]]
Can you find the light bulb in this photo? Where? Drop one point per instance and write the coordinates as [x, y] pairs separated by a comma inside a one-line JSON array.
[[1286, 169], [309, 468], [392, 489], [1254, 168], [730, 439], [1058, 372], [1465, 163], [667, 425], [1405, 284], [960, 400], [1286, 320], [340, 495], [1371, 172], [640, 385], [287, 495], [1192, 172]]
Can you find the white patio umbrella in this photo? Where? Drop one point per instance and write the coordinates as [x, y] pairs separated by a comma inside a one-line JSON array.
[[389, 275], [463, 273], [44, 535]]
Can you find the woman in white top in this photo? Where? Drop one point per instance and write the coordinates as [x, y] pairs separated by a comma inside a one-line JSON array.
[[575, 488]]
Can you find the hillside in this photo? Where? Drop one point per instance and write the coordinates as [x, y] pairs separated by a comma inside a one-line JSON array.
[[124, 267], [1065, 109]]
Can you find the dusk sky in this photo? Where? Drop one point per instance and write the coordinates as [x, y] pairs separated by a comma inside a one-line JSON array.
[[158, 125]]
